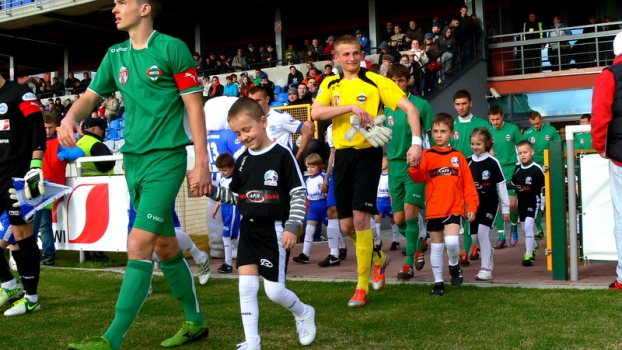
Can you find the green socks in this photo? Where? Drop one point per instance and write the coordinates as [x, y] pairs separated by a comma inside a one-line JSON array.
[[180, 280], [402, 228], [466, 244], [514, 219], [539, 220], [413, 243], [131, 298]]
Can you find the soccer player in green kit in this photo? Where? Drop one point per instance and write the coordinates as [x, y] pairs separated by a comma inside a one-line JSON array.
[[463, 126], [583, 140], [505, 138], [157, 77], [540, 135], [407, 197]]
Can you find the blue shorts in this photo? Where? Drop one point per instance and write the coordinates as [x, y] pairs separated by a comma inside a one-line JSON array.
[[384, 206], [330, 201], [317, 211], [230, 221], [6, 233]]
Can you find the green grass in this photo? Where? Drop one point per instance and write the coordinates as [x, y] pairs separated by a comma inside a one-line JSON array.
[[80, 303]]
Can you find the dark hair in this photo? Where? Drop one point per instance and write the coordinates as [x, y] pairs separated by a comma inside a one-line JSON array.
[[258, 89], [525, 143], [444, 118], [484, 135], [534, 115], [247, 106], [225, 160], [398, 71], [494, 110], [462, 94], [375, 68], [586, 116], [49, 118]]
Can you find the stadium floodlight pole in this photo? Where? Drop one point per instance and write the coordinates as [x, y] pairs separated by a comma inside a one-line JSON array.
[[572, 199]]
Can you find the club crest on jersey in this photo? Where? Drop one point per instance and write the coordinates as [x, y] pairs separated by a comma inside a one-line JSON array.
[[581, 141], [508, 137], [270, 178], [272, 128], [455, 162], [361, 98], [335, 99], [3, 108], [456, 135], [532, 140], [528, 180], [547, 137], [154, 73], [486, 175], [123, 75], [391, 120], [5, 125]]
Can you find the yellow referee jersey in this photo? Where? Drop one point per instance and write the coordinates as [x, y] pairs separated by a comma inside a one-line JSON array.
[[368, 91]]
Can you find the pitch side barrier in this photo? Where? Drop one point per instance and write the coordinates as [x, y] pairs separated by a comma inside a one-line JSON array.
[[590, 203]]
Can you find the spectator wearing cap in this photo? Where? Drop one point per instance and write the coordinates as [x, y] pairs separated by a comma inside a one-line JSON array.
[[329, 49], [291, 53], [239, 62], [198, 62], [292, 97], [387, 61], [223, 62], [253, 57], [92, 144], [437, 27], [414, 32], [316, 49], [433, 51], [364, 40], [268, 85], [295, 77]]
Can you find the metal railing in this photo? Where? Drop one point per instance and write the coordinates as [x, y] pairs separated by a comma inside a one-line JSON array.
[[511, 55]]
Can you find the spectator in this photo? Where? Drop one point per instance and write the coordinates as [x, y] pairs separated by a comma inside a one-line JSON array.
[[313, 86], [292, 97], [253, 57], [387, 33], [198, 62], [71, 81], [264, 56], [230, 88], [91, 144], [59, 106], [585, 49], [211, 64], [532, 53], [329, 48], [387, 61], [245, 86], [216, 89], [112, 107], [399, 37], [268, 85], [414, 32], [303, 94], [68, 104], [332, 64], [313, 74], [328, 71], [447, 44], [239, 62], [258, 73], [464, 36], [206, 85], [290, 51], [272, 56], [559, 49], [295, 77], [84, 83], [57, 86], [316, 49], [234, 80], [364, 40], [437, 28], [606, 114], [223, 63]]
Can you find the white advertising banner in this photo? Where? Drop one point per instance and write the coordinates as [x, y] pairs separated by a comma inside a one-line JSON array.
[[598, 241], [94, 216]]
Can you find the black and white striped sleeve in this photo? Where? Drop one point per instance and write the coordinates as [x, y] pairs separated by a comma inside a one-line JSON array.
[[223, 195], [297, 209]]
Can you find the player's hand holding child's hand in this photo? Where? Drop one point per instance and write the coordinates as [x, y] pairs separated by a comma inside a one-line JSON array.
[[471, 216], [289, 240], [506, 217]]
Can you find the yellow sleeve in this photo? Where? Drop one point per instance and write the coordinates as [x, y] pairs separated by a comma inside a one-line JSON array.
[[390, 93], [324, 96]]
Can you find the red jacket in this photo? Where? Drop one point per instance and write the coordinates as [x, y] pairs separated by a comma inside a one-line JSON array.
[[449, 183], [602, 113], [53, 168]]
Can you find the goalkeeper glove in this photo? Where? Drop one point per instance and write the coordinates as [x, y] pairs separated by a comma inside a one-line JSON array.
[[377, 134], [33, 181]]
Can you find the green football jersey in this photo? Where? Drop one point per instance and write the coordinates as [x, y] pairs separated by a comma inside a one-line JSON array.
[[540, 140], [151, 81], [462, 134], [583, 141], [401, 140], [504, 143]]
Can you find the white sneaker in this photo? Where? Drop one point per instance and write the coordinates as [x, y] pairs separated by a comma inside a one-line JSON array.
[[12, 264], [23, 306], [247, 346], [484, 275], [204, 269], [306, 327], [7, 294]]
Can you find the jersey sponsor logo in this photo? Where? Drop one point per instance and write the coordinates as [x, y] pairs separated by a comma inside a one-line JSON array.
[[5, 125], [391, 120], [3, 108], [486, 175], [361, 98], [335, 99], [124, 74], [445, 171], [236, 141], [478, 185], [265, 262], [455, 161], [256, 196], [528, 180], [119, 49], [154, 73], [15, 212], [29, 96], [456, 135], [155, 217], [547, 137], [519, 188], [271, 178], [242, 164]]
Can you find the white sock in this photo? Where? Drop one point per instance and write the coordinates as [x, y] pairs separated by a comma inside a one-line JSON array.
[[9, 284], [277, 292], [340, 243], [249, 308], [422, 231], [529, 228], [396, 233], [308, 242], [332, 231], [436, 259], [187, 245], [453, 249], [228, 249], [475, 240], [377, 233], [32, 298], [485, 247]]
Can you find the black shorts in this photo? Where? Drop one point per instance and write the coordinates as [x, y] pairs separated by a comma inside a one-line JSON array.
[[6, 203], [528, 209], [262, 245], [357, 173], [439, 223], [485, 216]]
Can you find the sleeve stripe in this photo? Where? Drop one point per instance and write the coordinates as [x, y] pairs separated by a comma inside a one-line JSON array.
[[187, 79], [29, 107]]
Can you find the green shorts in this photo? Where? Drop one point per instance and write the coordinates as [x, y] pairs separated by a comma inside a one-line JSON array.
[[153, 181], [508, 171], [402, 188]]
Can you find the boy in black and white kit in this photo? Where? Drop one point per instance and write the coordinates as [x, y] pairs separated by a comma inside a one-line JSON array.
[[268, 189], [528, 181]]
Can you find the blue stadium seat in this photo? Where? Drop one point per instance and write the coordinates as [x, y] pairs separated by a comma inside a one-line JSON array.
[[111, 134], [277, 89], [276, 104], [119, 134], [115, 124], [281, 97]]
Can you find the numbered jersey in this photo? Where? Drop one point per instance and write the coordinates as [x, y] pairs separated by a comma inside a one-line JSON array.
[[219, 142]]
